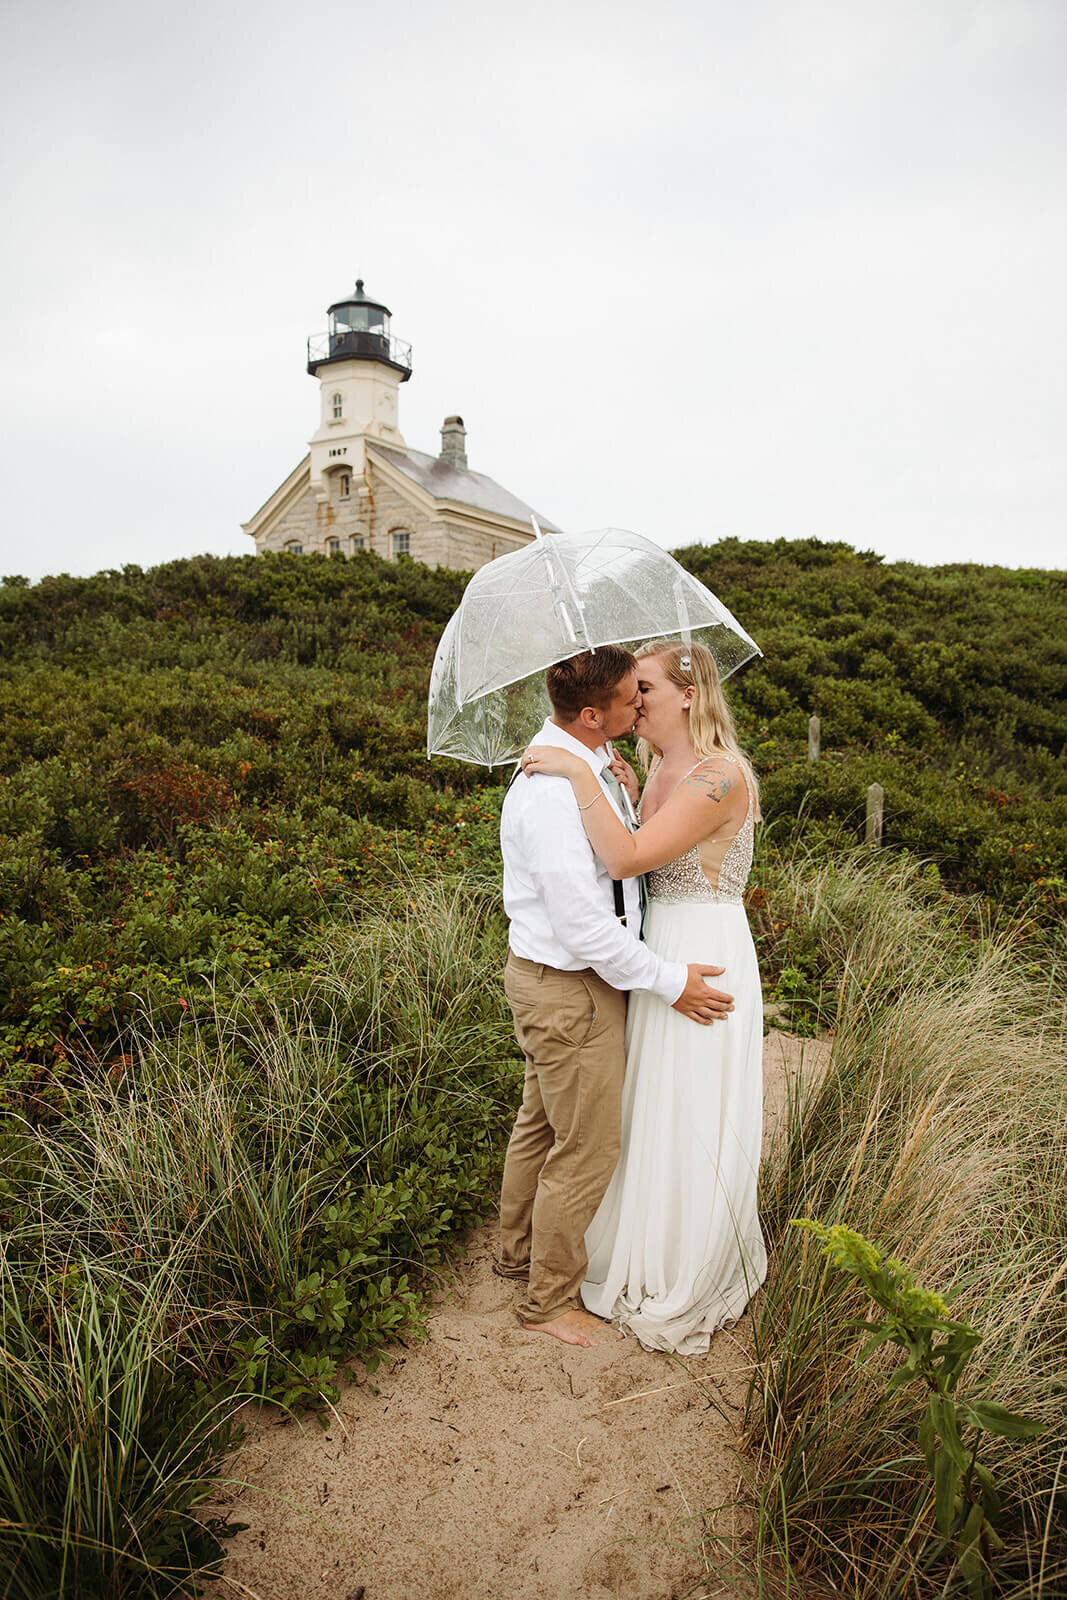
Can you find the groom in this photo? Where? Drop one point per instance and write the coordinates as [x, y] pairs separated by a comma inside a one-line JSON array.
[[571, 959]]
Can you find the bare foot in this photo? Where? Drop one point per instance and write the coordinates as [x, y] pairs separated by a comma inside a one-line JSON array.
[[576, 1327]]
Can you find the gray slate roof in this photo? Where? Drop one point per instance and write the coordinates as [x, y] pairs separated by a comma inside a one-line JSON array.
[[445, 482]]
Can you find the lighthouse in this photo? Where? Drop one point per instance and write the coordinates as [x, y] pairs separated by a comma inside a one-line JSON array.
[[360, 368], [360, 487]]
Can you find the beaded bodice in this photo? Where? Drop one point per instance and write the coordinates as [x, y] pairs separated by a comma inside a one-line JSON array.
[[684, 878]]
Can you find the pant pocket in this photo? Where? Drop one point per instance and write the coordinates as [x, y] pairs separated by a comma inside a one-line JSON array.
[[576, 1012]]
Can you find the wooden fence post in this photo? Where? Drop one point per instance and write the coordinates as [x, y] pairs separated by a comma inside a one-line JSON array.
[[875, 814], [814, 731]]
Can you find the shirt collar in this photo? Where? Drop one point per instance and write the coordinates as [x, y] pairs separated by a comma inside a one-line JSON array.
[[553, 734]]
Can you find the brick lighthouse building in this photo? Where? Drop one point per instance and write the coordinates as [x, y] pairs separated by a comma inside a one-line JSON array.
[[360, 487]]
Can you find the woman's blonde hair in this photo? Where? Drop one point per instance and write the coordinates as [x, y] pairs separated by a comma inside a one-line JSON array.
[[711, 723]]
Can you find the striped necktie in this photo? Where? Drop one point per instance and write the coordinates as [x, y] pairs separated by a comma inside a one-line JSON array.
[[614, 788]]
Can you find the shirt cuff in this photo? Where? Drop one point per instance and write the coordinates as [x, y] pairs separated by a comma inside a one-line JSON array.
[[671, 980]]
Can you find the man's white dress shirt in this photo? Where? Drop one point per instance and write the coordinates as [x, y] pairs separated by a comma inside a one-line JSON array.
[[558, 895]]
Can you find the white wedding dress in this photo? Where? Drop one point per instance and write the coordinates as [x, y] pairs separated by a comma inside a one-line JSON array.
[[676, 1249]]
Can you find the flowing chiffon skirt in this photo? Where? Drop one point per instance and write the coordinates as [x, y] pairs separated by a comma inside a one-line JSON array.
[[676, 1249]]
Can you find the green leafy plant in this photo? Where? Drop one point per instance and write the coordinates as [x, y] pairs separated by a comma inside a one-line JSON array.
[[937, 1348]]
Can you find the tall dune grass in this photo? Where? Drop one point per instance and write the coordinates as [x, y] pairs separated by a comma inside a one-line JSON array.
[[111, 1433], [940, 1132], [256, 1199], [248, 1206]]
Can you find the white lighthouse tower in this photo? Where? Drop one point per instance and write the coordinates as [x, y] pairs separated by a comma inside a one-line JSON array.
[[360, 368]]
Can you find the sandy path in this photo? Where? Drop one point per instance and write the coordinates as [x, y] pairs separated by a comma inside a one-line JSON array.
[[487, 1462]]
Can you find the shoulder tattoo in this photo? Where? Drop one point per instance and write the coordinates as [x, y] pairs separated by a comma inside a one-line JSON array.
[[715, 785]]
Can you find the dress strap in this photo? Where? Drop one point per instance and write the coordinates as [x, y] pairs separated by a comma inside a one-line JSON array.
[[725, 754]]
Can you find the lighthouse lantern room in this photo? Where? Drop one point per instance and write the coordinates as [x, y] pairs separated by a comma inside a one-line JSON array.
[[359, 329]]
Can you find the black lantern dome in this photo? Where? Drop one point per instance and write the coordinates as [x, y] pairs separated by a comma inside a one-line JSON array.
[[359, 331]]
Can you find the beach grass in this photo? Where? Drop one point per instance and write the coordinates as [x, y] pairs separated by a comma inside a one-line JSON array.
[[240, 1207], [939, 1131], [238, 1211]]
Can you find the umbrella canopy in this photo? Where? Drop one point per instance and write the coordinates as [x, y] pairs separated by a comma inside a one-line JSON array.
[[564, 593]]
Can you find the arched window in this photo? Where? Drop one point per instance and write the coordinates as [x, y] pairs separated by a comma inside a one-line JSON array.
[[337, 402], [401, 542], [357, 542], [344, 485], [333, 547], [294, 548]]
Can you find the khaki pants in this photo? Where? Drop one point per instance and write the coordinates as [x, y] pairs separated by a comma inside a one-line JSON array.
[[565, 1144]]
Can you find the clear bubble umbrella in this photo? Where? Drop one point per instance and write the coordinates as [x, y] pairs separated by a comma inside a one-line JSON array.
[[564, 593]]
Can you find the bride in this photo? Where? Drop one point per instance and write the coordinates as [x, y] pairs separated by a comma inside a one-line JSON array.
[[676, 1249]]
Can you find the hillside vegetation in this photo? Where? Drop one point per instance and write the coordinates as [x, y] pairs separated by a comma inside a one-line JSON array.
[[200, 762], [256, 1068]]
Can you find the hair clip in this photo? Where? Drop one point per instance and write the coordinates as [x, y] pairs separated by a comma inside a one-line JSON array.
[[685, 662]]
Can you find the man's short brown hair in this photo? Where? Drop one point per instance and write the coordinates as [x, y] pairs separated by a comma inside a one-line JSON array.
[[590, 679]]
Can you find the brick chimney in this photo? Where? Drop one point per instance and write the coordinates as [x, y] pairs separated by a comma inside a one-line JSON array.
[[454, 442]]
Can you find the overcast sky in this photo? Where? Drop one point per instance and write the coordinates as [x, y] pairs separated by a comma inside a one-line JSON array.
[[762, 268]]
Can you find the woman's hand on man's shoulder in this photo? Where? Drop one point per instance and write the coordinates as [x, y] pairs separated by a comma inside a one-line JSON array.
[[547, 760]]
